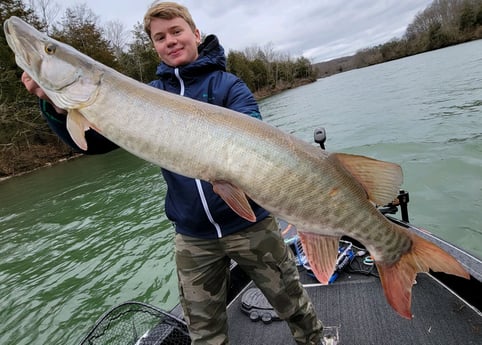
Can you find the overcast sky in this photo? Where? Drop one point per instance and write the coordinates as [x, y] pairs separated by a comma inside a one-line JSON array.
[[320, 30]]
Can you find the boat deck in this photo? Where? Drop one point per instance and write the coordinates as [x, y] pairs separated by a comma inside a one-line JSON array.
[[355, 308]]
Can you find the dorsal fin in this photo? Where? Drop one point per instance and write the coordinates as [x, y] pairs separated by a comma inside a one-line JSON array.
[[381, 180]]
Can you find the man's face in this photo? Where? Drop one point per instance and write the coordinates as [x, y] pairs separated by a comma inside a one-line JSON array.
[[174, 41]]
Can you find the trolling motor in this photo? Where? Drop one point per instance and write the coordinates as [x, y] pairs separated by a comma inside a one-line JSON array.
[[320, 137]]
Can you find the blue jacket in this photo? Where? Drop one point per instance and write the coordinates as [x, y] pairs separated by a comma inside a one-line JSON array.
[[191, 204]]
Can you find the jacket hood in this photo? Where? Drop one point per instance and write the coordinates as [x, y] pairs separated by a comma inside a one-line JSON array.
[[211, 57]]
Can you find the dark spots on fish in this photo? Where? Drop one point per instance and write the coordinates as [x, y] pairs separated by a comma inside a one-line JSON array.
[[366, 229], [407, 246], [392, 258], [395, 246], [389, 241]]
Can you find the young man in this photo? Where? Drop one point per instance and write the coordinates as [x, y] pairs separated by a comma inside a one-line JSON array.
[[208, 233]]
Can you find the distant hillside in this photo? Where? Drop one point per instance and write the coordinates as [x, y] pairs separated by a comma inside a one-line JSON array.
[[441, 24], [327, 68]]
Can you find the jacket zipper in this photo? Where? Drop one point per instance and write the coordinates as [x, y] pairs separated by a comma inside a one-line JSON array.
[[198, 182]]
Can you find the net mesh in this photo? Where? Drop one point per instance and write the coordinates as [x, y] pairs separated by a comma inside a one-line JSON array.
[[136, 323]]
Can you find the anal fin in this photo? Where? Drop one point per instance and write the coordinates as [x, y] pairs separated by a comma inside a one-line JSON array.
[[322, 253], [235, 198]]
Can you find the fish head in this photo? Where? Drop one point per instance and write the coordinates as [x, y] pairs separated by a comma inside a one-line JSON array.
[[68, 77]]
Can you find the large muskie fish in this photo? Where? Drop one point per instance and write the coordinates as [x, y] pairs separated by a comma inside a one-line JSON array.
[[326, 195]]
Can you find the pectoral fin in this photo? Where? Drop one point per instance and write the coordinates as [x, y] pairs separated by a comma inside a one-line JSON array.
[[77, 125], [322, 252], [235, 198]]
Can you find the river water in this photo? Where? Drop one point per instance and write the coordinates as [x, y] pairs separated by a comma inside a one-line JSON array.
[[82, 236]]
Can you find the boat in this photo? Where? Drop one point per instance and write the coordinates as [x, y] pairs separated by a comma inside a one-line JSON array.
[[446, 309]]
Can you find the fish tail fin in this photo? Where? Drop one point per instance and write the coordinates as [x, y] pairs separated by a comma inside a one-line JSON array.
[[397, 279]]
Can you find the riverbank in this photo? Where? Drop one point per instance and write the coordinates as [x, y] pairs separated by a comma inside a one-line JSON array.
[[280, 87], [21, 161]]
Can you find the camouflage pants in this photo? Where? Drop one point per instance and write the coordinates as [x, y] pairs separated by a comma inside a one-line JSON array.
[[203, 272]]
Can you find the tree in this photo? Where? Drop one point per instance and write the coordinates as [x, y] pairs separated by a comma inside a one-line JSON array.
[[8, 68], [47, 11], [81, 30], [479, 16], [20, 123], [303, 68], [116, 34], [141, 60], [468, 17], [238, 64], [260, 74], [10, 73]]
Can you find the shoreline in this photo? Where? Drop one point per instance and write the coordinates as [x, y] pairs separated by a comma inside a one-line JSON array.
[[47, 164]]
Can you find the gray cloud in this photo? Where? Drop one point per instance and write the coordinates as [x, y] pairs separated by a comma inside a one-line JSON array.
[[320, 30]]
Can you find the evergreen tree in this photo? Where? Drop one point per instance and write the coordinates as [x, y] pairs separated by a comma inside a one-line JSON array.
[[9, 72], [16, 119]]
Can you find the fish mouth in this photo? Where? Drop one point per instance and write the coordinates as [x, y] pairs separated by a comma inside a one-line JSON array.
[[20, 46]]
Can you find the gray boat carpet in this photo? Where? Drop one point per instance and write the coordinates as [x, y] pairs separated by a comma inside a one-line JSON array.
[[356, 308]]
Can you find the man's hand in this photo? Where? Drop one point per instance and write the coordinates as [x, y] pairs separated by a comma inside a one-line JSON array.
[[33, 88]]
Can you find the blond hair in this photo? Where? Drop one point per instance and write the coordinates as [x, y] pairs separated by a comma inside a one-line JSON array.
[[167, 10]]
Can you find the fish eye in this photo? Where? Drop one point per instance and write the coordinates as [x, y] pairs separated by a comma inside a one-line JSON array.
[[50, 48]]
